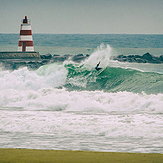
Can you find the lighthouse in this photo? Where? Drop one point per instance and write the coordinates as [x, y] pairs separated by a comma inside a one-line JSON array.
[[25, 38], [25, 48]]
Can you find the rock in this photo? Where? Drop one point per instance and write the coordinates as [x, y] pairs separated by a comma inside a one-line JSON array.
[[58, 58], [78, 58], [140, 60], [46, 56], [33, 65], [161, 58], [145, 58], [150, 58]]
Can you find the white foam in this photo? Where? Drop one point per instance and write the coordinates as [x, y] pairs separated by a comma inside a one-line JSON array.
[[84, 121], [49, 98], [37, 90], [35, 114], [102, 54], [47, 76]]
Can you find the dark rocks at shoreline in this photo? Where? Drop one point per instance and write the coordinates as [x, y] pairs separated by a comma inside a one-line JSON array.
[[80, 57], [58, 58], [46, 56], [14, 64], [146, 58], [33, 64]]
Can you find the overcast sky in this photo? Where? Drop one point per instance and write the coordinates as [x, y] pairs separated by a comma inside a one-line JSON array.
[[83, 16]]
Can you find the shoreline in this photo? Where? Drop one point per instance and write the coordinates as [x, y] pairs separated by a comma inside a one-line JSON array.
[[16, 155], [34, 60]]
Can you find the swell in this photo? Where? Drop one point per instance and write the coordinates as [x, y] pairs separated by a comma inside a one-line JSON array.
[[113, 79]]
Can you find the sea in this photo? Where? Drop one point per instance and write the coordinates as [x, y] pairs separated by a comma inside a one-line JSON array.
[[69, 106]]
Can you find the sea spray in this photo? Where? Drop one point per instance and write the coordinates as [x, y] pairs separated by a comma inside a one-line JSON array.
[[102, 54], [80, 76], [54, 74]]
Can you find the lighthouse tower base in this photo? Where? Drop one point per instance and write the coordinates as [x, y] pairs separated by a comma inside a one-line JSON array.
[[19, 55]]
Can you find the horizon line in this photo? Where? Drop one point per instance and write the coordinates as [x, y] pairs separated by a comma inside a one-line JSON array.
[[94, 33]]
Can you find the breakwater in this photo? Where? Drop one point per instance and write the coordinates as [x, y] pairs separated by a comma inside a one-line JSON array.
[[145, 58], [33, 60], [15, 60]]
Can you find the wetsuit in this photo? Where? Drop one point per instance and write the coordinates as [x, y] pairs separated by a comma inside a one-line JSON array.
[[97, 67]]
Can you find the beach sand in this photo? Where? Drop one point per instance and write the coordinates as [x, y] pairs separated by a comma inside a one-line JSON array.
[[61, 156]]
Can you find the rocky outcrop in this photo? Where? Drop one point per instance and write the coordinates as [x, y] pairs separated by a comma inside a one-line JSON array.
[[14, 61], [146, 58], [58, 58], [13, 64], [79, 57], [46, 56]]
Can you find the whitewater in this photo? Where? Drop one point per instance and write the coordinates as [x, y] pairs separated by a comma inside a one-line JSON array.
[[66, 106]]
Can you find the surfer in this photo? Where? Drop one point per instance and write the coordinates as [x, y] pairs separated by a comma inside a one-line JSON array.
[[98, 68]]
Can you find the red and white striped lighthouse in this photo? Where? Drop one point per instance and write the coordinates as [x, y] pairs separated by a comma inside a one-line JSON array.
[[25, 37]]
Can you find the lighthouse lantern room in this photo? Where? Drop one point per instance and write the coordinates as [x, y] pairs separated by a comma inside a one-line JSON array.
[[25, 38]]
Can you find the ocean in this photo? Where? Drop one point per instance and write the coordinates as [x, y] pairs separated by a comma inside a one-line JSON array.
[[68, 106]]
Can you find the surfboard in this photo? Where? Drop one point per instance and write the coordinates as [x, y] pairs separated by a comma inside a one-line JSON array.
[[102, 70]]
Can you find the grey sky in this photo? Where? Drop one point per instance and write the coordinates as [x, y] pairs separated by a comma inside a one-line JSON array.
[[83, 16]]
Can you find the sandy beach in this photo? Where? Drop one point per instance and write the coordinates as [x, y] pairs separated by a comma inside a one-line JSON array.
[[61, 156]]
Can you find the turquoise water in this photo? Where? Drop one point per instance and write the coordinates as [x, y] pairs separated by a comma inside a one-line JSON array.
[[114, 80]]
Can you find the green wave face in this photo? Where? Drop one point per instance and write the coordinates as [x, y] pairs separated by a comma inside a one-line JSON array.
[[113, 79]]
